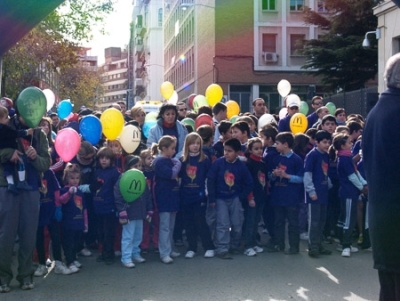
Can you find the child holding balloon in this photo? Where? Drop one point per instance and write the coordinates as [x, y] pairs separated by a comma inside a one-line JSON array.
[[166, 192], [131, 216]]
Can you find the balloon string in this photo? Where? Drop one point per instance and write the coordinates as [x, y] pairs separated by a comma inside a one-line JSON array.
[[31, 140]]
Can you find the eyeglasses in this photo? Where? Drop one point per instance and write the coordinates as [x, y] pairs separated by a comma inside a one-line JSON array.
[[180, 110]]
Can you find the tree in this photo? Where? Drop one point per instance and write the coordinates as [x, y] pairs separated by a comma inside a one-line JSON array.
[[337, 55]]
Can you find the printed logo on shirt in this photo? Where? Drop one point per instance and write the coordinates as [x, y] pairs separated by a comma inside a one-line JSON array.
[[261, 178], [191, 171], [78, 202], [43, 188], [229, 179], [324, 166]]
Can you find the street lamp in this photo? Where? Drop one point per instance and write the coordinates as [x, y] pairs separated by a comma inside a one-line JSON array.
[[185, 6], [366, 43]]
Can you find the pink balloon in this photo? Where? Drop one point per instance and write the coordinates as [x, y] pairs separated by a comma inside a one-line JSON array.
[[67, 144]]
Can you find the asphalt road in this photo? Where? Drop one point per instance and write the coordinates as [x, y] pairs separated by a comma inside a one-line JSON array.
[[268, 276]]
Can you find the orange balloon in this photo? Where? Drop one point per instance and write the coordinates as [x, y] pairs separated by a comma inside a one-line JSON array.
[[298, 123]]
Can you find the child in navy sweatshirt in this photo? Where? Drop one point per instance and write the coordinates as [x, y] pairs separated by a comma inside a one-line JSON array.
[[228, 181], [286, 187], [195, 166]]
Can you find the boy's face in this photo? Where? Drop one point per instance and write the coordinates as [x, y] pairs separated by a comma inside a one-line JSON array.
[[227, 135], [4, 120], [281, 147], [329, 126], [104, 162], [341, 117], [238, 134], [323, 145], [230, 154]]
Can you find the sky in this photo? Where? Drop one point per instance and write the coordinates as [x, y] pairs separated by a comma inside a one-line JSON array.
[[117, 31]]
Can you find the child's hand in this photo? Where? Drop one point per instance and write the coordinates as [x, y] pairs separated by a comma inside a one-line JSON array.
[[252, 203], [30, 132], [72, 190], [364, 191], [314, 197], [86, 229], [123, 217], [149, 216]]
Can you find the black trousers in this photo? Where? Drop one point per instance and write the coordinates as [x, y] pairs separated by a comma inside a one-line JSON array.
[[291, 213], [106, 233], [54, 231], [317, 214], [390, 286], [71, 244]]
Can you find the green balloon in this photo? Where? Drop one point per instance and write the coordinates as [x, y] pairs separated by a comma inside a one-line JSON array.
[[188, 121], [31, 104], [233, 118], [331, 107], [132, 185], [303, 107]]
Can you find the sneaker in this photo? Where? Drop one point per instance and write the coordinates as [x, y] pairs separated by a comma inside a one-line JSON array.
[[109, 261], [40, 271], [60, 268], [360, 239], [346, 252], [157, 251], [250, 252], [27, 285], [313, 253], [13, 189], [73, 268], [258, 249], [179, 243], [324, 251], [273, 248], [48, 262], [167, 259], [85, 252], [265, 231], [4, 288], [291, 251], [352, 249], [77, 264], [128, 265], [117, 253], [175, 254], [139, 259], [209, 254], [190, 254], [224, 255], [304, 236], [234, 251], [23, 185], [145, 251], [328, 240]]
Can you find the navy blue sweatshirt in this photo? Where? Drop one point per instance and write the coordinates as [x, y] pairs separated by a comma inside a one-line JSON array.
[[103, 199], [258, 171], [50, 187]]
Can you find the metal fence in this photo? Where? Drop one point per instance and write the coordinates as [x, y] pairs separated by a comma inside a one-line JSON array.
[[355, 102]]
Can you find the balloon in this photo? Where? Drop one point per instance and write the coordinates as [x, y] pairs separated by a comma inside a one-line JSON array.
[[303, 107], [199, 101], [204, 119], [90, 128], [130, 138], [50, 98], [132, 185], [151, 116], [293, 98], [147, 126], [331, 107], [214, 94], [64, 108], [173, 99], [167, 89], [284, 87], [232, 108], [298, 123], [112, 122], [282, 113], [188, 121], [67, 144], [190, 100], [233, 118], [265, 119], [31, 104]]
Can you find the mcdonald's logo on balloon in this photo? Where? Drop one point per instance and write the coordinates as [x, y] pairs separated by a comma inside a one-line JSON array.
[[298, 123]]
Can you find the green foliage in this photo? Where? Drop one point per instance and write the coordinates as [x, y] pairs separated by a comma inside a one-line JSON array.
[[337, 55]]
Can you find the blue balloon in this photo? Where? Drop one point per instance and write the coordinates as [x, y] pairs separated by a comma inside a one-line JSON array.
[[64, 108], [147, 126], [90, 128]]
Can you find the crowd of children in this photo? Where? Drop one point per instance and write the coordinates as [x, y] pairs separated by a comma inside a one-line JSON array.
[[223, 191]]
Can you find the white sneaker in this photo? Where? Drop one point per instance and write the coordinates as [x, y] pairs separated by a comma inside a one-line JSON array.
[[209, 254], [264, 231], [73, 268], [352, 249], [190, 254], [85, 252], [139, 259], [40, 271], [346, 252], [175, 254], [304, 236], [167, 259], [128, 265], [48, 262], [77, 264], [60, 268], [258, 249], [250, 252]]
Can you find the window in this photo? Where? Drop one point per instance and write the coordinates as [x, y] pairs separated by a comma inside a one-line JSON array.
[[268, 5], [295, 44], [321, 7], [160, 17], [269, 43], [296, 5]]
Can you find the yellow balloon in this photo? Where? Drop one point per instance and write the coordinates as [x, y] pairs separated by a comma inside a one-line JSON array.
[[112, 122], [298, 123], [214, 94], [167, 89], [130, 138], [232, 109]]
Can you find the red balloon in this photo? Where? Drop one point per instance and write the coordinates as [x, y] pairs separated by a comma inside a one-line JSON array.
[[204, 119], [190, 100]]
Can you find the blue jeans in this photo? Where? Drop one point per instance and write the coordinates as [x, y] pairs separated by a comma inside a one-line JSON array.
[[229, 215], [167, 222], [132, 234]]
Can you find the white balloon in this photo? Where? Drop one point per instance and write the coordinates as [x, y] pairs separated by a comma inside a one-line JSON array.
[[265, 119], [293, 98], [284, 87], [173, 99], [130, 138], [282, 113], [50, 98]]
